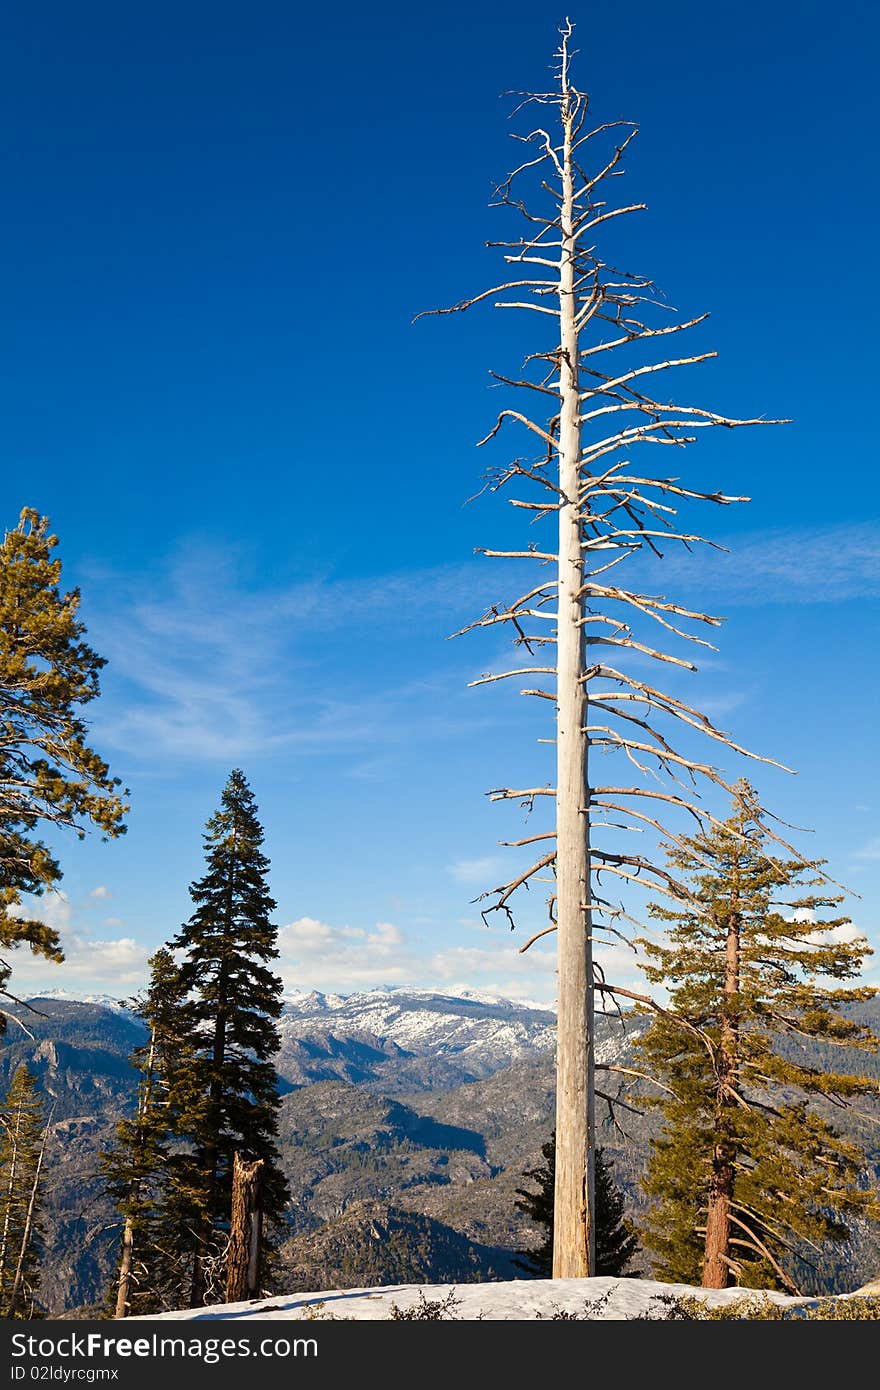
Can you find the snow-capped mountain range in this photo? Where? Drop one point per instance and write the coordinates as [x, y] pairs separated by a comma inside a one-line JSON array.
[[482, 1031], [403, 1039], [414, 1039]]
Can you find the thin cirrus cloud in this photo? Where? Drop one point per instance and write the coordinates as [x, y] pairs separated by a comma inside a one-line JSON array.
[[205, 666], [801, 565], [870, 852], [478, 872]]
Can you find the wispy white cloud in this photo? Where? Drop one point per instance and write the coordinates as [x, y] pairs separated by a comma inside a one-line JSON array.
[[315, 954], [208, 664], [101, 893], [870, 851], [205, 665], [482, 873], [499, 968], [798, 565], [93, 964]]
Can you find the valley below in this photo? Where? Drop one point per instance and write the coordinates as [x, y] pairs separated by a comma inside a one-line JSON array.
[[407, 1123]]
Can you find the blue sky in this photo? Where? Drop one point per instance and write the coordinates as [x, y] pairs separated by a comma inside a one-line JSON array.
[[219, 222]]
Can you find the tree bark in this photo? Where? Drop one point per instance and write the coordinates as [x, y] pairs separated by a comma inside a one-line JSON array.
[[245, 1231], [717, 1272], [716, 1269], [573, 1237], [124, 1285]]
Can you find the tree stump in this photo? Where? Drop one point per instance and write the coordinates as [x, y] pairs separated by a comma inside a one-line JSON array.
[[245, 1230]]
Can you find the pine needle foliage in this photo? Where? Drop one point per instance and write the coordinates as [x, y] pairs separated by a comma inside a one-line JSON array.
[[150, 1171], [233, 1002], [616, 1243], [50, 778], [749, 1174]]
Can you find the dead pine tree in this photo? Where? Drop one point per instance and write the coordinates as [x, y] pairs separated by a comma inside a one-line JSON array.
[[607, 509]]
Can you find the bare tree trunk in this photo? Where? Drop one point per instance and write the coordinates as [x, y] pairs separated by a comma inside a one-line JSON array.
[[717, 1270], [609, 509], [125, 1262], [573, 1237], [10, 1189], [124, 1286], [28, 1225], [245, 1230]]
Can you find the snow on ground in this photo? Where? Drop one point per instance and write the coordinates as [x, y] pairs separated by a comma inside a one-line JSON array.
[[512, 1300]]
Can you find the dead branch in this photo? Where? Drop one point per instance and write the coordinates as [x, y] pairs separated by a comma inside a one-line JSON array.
[[521, 671], [475, 299]]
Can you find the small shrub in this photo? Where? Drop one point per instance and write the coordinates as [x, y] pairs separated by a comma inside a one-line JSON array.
[[319, 1312], [592, 1309], [428, 1310], [759, 1308]]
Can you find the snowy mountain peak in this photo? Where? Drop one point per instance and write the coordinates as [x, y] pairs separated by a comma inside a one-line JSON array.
[[444, 1037], [104, 1001]]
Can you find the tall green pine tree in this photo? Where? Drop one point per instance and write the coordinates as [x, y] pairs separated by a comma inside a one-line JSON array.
[[233, 1003], [757, 1046], [150, 1171], [50, 778]]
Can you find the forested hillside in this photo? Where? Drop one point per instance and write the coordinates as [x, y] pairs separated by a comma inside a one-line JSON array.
[[433, 1170]]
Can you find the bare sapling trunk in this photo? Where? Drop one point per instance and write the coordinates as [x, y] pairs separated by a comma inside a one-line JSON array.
[[245, 1231], [585, 464]]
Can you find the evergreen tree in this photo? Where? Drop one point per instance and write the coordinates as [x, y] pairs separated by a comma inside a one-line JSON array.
[[23, 1134], [748, 1171], [615, 1242], [49, 776], [233, 1002], [150, 1171]]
